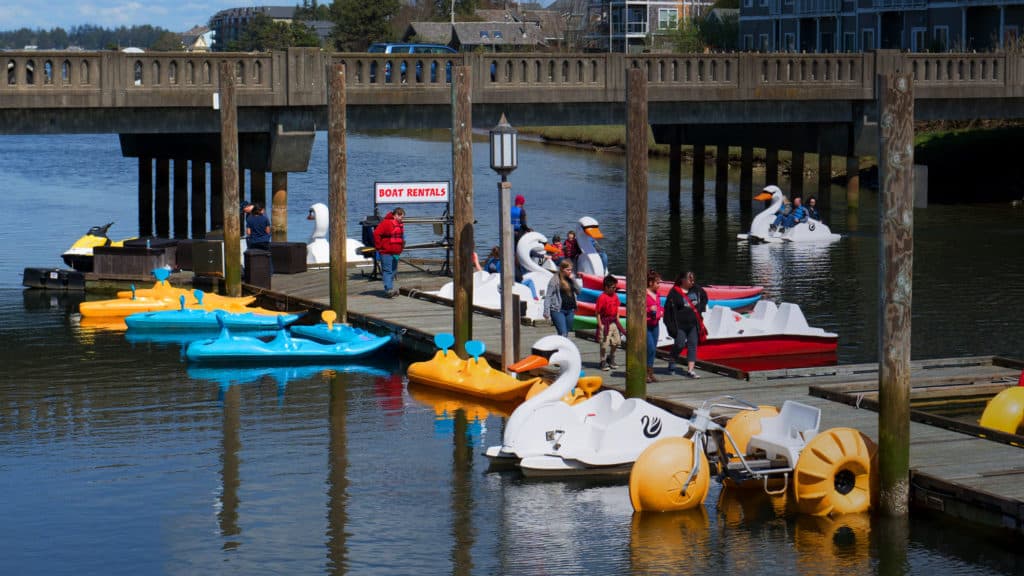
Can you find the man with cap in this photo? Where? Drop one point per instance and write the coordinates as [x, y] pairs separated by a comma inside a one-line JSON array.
[[519, 217]]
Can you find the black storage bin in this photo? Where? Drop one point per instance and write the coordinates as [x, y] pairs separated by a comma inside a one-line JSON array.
[[208, 257], [184, 254], [257, 268], [129, 260], [169, 245], [53, 279], [288, 257]]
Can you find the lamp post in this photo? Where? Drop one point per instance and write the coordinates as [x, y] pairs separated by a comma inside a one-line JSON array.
[[505, 159]]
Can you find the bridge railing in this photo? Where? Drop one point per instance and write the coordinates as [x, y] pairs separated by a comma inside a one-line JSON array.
[[298, 77]]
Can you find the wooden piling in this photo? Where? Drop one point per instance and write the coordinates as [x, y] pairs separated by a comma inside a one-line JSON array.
[[675, 161], [852, 182], [337, 175], [180, 198], [145, 196], [824, 179], [721, 176], [636, 233], [896, 259], [198, 199], [216, 195], [796, 174], [746, 175], [162, 204], [279, 212], [229, 181], [699, 156], [462, 215]]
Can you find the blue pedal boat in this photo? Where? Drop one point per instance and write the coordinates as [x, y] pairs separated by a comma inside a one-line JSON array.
[[329, 331], [185, 319]]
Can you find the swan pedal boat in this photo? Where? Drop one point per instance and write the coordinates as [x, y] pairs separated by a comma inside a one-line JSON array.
[[600, 436], [227, 347], [473, 376], [318, 249], [714, 291], [589, 296], [810, 230]]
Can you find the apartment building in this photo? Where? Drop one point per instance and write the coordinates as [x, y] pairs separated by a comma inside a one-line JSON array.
[[635, 25], [857, 25]]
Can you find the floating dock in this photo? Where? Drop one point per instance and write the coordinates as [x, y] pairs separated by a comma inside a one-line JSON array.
[[957, 468]]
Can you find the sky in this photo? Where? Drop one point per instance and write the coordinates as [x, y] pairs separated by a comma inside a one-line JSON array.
[[174, 15]]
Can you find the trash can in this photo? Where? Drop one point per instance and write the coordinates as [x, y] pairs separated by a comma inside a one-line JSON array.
[[257, 268]]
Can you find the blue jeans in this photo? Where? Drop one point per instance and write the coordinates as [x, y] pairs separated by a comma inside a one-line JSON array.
[[562, 319], [652, 344], [687, 337], [388, 264]]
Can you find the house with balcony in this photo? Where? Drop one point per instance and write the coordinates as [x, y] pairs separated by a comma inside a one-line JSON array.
[[858, 25], [636, 25]]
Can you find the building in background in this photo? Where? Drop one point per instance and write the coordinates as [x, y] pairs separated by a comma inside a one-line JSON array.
[[858, 25], [637, 25], [228, 25], [198, 39]]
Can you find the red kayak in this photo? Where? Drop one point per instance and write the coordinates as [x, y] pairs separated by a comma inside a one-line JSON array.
[[714, 291]]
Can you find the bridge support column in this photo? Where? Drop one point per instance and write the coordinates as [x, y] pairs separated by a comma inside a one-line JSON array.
[[824, 181], [279, 212], [163, 197], [771, 166], [746, 175], [796, 174], [180, 198], [145, 196], [216, 197], [675, 160], [198, 199], [852, 182], [721, 176], [258, 187], [698, 177]]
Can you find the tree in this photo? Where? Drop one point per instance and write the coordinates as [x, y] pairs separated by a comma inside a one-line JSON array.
[[358, 23], [167, 42], [263, 34], [312, 10], [686, 38], [720, 33]]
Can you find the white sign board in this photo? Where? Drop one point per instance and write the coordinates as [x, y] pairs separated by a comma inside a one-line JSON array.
[[410, 192]]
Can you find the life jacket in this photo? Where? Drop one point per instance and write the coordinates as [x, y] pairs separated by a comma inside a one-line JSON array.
[[389, 236], [517, 218]]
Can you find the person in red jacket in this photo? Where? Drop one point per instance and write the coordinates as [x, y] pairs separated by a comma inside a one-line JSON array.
[[609, 329], [389, 239]]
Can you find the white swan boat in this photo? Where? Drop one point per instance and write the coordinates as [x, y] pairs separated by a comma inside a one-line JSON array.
[[810, 230], [318, 250], [602, 435], [589, 261]]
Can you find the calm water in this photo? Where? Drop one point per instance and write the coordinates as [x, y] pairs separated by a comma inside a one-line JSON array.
[[116, 457]]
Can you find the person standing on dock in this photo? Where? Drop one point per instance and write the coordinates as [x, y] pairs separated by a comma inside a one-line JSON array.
[[655, 311], [684, 306], [560, 298], [389, 239], [519, 226], [257, 228], [609, 328]]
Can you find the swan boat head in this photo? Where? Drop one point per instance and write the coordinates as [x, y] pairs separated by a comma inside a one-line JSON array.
[[318, 212], [760, 226], [557, 351], [589, 261], [530, 244]]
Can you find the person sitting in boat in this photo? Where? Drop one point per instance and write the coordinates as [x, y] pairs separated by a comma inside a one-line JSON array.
[[493, 262], [790, 216], [780, 216], [558, 254], [519, 226], [571, 248], [812, 208]]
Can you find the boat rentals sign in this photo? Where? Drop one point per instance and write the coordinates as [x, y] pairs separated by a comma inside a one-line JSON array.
[[410, 192]]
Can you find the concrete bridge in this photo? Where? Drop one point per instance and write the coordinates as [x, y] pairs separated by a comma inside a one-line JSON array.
[[161, 103]]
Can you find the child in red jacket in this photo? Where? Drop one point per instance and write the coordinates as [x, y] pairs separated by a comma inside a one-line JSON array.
[[609, 328]]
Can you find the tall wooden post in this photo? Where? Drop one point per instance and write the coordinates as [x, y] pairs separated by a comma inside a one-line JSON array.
[[279, 211], [698, 177], [824, 179], [721, 176], [180, 198], [229, 181], [796, 174], [198, 199], [852, 182], [771, 165], [145, 196], [462, 215], [675, 160], [636, 233], [508, 348], [163, 197], [896, 263], [337, 175]]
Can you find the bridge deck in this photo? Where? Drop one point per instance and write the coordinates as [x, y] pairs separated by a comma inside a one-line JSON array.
[[961, 474]]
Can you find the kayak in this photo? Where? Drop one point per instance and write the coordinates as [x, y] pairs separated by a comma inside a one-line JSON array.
[[198, 299], [227, 347], [192, 319], [590, 296], [714, 291]]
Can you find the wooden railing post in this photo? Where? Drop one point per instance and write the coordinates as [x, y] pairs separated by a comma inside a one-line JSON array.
[[462, 215]]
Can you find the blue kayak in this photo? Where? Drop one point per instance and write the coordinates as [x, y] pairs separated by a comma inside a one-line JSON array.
[[590, 295], [190, 319], [332, 333], [226, 348]]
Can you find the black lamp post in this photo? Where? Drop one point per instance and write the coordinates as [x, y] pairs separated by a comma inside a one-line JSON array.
[[505, 159]]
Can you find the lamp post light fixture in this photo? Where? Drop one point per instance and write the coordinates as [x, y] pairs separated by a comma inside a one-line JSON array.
[[505, 159]]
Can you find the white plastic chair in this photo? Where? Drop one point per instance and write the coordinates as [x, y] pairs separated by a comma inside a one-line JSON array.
[[785, 435]]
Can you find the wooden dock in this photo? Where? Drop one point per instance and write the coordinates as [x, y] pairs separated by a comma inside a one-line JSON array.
[[953, 469]]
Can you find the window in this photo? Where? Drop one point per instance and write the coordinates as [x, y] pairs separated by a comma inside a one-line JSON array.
[[850, 41], [940, 36], [867, 39], [496, 34], [917, 39], [668, 18], [483, 34], [748, 41], [763, 45], [789, 40]]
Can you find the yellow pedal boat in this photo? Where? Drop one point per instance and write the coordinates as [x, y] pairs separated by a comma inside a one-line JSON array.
[[473, 376]]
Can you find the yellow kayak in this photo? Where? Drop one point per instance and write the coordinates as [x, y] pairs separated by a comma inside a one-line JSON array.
[[127, 306]]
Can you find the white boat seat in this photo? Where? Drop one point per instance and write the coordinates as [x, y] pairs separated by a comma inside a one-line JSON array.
[[720, 322], [764, 310], [785, 435], [789, 320]]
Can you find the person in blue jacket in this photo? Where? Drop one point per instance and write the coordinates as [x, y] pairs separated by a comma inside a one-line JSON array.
[[812, 208], [519, 217]]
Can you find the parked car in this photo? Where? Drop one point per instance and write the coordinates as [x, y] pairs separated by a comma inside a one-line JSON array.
[[402, 48]]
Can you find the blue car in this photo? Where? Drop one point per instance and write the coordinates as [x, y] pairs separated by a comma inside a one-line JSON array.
[[391, 48]]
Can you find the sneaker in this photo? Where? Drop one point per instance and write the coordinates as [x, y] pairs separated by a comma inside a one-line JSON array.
[[393, 292], [613, 365], [604, 366], [690, 374], [671, 367]]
